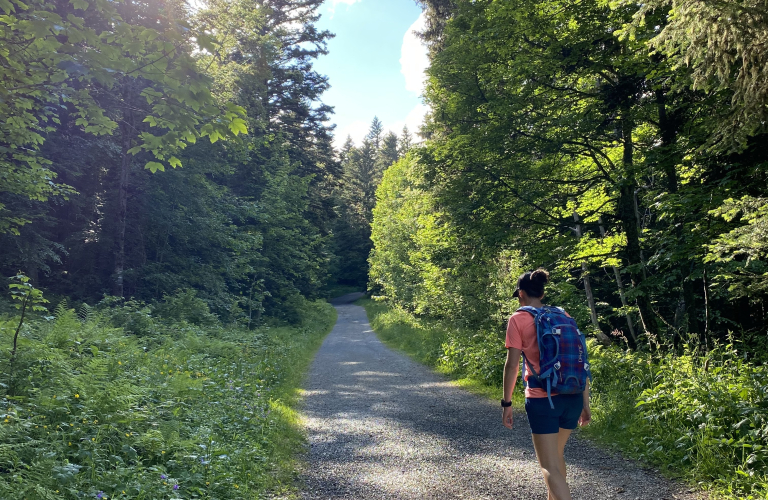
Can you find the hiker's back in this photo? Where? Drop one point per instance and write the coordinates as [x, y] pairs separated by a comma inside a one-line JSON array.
[[563, 361]]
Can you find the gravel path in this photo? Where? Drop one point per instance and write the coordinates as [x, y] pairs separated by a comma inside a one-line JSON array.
[[381, 426]]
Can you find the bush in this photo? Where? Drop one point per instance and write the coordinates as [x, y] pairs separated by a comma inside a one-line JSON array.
[[160, 412], [185, 307], [703, 416]]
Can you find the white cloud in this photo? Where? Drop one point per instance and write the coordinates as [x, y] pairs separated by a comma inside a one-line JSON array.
[[413, 58], [332, 4], [413, 121]]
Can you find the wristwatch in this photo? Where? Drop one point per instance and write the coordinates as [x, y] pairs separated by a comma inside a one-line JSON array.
[[506, 404]]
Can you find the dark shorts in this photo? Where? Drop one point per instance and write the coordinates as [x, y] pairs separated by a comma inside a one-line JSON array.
[[544, 420]]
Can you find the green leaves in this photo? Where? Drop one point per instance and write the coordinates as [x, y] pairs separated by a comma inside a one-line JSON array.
[[24, 292], [238, 126], [154, 166], [50, 76]]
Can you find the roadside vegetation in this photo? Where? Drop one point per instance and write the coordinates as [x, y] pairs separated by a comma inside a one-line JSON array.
[[622, 146], [701, 418], [136, 401]]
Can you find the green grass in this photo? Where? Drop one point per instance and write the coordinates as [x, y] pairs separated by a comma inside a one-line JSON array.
[[187, 412], [703, 419]]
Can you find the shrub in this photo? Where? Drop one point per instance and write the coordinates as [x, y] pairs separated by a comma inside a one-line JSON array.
[[703, 416], [202, 413]]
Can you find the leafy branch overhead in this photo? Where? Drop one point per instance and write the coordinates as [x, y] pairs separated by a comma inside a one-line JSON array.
[[58, 58]]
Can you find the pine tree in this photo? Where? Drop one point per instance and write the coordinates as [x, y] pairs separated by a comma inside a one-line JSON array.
[[376, 133], [388, 154], [405, 142]]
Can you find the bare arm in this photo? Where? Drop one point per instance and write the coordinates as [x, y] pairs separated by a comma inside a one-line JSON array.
[[511, 367], [586, 413]]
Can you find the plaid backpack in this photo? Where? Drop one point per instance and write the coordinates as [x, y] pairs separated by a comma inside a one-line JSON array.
[[563, 361]]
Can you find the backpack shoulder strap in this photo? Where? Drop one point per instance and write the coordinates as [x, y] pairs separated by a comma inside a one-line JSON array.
[[535, 313], [530, 310]]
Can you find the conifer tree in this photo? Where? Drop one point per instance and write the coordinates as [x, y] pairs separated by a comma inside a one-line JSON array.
[[389, 152], [404, 142]]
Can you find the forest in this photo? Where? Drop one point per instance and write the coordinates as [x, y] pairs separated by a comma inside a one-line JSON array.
[[622, 146], [170, 196], [172, 213]]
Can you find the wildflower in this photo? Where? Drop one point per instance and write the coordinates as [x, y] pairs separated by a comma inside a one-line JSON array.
[[119, 362], [175, 486], [77, 396], [93, 439], [163, 452], [54, 396], [100, 495], [236, 486], [163, 476]]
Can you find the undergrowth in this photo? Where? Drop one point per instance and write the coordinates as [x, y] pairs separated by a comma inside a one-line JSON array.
[[153, 409], [703, 418]]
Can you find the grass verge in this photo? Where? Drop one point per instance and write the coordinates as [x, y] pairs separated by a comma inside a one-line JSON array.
[[191, 412], [702, 418]]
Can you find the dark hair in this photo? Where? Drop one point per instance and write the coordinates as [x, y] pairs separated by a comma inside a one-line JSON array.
[[533, 283]]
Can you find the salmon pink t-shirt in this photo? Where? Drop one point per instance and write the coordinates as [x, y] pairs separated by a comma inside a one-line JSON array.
[[521, 334]]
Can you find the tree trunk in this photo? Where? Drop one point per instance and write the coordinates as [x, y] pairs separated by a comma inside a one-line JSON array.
[[628, 218], [617, 273], [668, 136], [588, 288], [127, 132]]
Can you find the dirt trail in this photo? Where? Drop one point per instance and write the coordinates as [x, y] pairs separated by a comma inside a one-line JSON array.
[[381, 426]]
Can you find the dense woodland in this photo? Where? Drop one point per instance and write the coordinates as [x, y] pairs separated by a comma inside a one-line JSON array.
[[180, 149], [171, 204], [168, 170], [622, 147]]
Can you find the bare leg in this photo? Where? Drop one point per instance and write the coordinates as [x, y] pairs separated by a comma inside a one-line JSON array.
[[562, 439], [549, 450]]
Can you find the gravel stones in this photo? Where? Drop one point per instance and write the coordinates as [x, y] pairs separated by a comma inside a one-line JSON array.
[[381, 426]]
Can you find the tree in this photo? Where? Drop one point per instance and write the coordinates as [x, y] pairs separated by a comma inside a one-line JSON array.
[[246, 223], [405, 142], [389, 153], [723, 44], [65, 56], [376, 133]]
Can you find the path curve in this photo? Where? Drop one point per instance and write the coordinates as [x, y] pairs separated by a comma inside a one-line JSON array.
[[384, 427]]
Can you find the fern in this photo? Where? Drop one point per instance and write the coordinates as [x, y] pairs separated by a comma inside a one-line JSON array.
[[60, 309], [85, 313]]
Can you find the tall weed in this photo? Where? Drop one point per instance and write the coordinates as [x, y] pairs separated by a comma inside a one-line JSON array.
[[702, 417], [164, 409]]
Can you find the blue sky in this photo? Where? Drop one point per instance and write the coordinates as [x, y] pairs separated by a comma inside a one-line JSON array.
[[375, 65]]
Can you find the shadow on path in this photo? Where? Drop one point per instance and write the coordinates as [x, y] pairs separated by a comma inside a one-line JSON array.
[[382, 426], [346, 299]]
